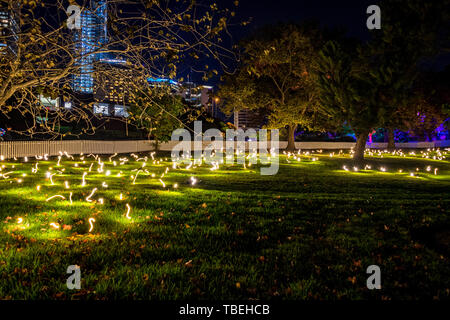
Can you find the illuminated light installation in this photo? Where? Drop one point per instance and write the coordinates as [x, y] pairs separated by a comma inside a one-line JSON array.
[[127, 215], [91, 223], [54, 225], [50, 175], [83, 182], [56, 196], [110, 158], [88, 198], [134, 180]]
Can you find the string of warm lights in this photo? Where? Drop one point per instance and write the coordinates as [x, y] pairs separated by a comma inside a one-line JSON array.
[[85, 164]]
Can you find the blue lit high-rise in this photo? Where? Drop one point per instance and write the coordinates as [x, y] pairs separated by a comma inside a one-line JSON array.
[[9, 28], [90, 38]]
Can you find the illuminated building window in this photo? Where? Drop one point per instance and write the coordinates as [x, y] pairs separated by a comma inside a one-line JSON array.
[[101, 108], [120, 111]]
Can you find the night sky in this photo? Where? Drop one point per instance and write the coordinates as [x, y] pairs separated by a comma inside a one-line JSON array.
[[350, 14]]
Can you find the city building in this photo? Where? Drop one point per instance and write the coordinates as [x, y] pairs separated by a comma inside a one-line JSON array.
[[197, 96], [91, 37], [9, 29], [113, 83]]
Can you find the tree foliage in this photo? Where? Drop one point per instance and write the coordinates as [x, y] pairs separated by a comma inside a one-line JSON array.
[[275, 75], [153, 36]]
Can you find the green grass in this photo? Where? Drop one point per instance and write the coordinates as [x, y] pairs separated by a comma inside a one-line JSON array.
[[308, 232]]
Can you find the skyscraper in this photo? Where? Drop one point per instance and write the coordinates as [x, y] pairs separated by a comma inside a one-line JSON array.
[[8, 28], [88, 40]]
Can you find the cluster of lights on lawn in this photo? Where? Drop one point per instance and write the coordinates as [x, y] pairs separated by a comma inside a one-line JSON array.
[[431, 154], [94, 163], [117, 161]]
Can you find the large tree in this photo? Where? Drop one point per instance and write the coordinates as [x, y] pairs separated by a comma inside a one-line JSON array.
[[153, 36], [347, 92], [412, 32], [275, 75], [157, 112], [371, 85]]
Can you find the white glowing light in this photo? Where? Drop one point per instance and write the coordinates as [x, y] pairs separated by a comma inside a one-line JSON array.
[[128, 211], [83, 182], [110, 158], [35, 169], [54, 225], [66, 184], [19, 220], [134, 180], [56, 196], [164, 185], [88, 198], [91, 223]]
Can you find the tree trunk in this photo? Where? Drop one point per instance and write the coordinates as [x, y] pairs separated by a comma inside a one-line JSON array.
[[360, 147], [391, 139], [291, 138]]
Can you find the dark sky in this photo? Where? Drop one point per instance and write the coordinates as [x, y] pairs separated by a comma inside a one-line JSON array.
[[350, 14], [347, 14]]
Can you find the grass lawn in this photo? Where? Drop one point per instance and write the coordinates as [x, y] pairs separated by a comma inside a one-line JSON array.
[[308, 232]]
